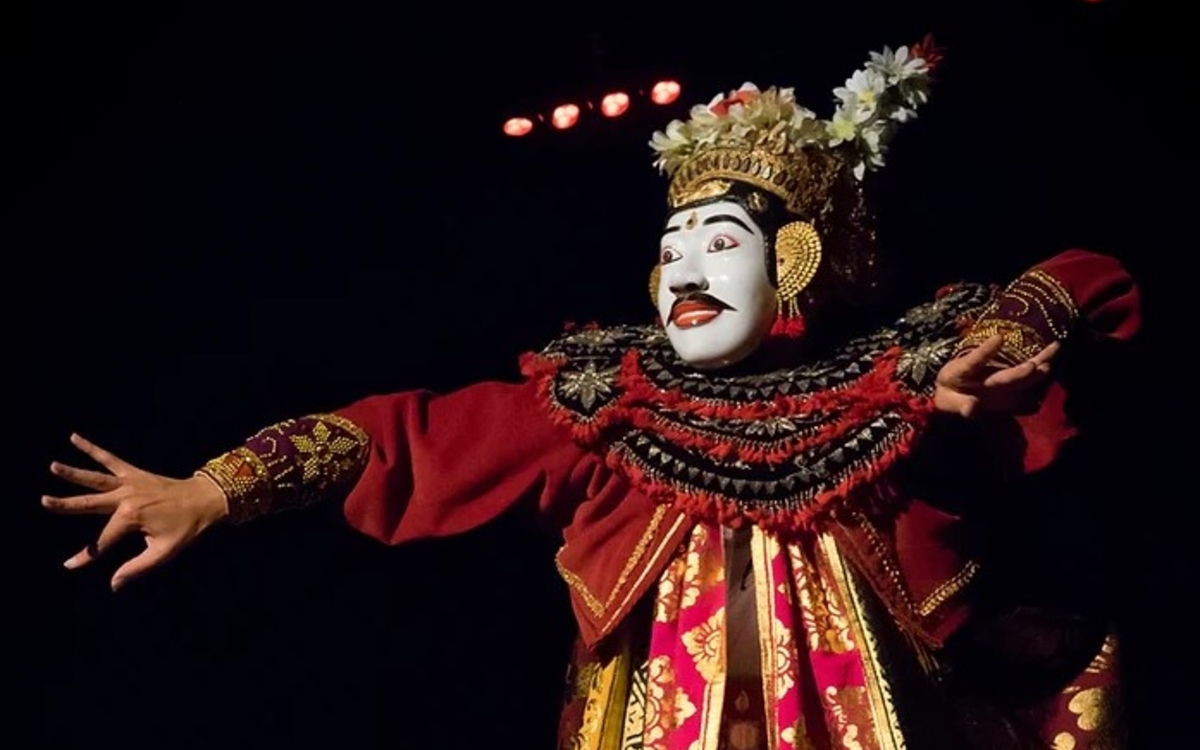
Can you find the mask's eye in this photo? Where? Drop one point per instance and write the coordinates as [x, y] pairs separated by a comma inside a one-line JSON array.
[[669, 255], [721, 243]]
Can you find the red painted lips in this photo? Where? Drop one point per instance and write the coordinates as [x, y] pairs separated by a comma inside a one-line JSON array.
[[691, 311]]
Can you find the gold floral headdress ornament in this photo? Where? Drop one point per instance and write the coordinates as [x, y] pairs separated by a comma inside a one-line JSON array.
[[765, 139]]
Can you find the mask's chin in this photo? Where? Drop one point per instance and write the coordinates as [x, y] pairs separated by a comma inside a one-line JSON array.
[[720, 362], [699, 349]]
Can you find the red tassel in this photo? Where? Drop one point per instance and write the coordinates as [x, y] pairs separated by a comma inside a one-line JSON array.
[[790, 327]]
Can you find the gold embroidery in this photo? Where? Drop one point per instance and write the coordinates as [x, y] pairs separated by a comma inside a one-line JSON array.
[[575, 582], [667, 601], [885, 724], [684, 579], [698, 579], [710, 713], [847, 708], [948, 589], [244, 479], [584, 678], [763, 549], [1032, 311], [797, 736], [679, 519], [319, 449], [705, 643], [288, 465], [607, 687], [1064, 741], [1097, 711], [1051, 286], [784, 650], [826, 626], [1103, 661], [1089, 706], [662, 706], [1021, 342], [684, 708], [597, 607], [882, 551]]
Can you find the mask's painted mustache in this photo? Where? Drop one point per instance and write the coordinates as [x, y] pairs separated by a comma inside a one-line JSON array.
[[699, 299]]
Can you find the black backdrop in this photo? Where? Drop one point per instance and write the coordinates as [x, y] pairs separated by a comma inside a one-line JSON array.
[[226, 215]]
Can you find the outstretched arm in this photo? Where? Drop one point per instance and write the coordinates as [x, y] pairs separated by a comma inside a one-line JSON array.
[[408, 465]]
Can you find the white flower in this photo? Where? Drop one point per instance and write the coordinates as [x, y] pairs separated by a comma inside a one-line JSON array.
[[702, 115], [674, 137], [860, 96], [672, 145], [915, 91], [841, 128], [871, 138], [805, 127], [896, 66], [887, 91]]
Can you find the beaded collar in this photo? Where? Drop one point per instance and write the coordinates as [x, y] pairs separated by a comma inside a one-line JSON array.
[[782, 449]]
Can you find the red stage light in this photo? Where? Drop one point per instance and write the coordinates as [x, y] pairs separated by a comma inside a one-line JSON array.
[[665, 92], [615, 104], [517, 126], [565, 116]]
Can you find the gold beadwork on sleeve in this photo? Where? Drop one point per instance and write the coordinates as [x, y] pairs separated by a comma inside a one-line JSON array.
[[288, 465], [1020, 341], [1031, 313]]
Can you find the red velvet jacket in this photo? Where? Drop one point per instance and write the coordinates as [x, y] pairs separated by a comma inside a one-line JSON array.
[[433, 465]]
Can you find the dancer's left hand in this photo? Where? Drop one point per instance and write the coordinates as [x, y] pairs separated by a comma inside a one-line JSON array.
[[973, 383]]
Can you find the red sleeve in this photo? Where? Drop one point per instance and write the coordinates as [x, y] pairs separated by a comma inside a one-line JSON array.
[[444, 464], [1081, 298], [1105, 295]]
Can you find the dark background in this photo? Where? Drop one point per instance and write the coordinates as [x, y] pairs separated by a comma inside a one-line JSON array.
[[226, 214]]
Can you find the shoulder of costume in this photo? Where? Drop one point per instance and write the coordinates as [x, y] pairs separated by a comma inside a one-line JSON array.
[[781, 448]]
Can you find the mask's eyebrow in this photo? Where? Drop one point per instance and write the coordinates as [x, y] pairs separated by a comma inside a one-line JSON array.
[[718, 218], [668, 230]]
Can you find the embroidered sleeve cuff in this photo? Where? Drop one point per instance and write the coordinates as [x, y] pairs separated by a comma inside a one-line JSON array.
[[290, 465], [1031, 313]]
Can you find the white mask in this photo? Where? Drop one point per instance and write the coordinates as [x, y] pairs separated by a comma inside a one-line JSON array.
[[714, 296]]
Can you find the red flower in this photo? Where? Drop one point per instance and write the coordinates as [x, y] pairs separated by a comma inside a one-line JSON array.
[[739, 97], [928, 51]]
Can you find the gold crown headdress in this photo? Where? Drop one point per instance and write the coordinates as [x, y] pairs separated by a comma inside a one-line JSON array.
[[765, 139]]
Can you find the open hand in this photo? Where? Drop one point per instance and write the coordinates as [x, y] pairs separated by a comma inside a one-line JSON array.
[[169, 513], [973, 383]]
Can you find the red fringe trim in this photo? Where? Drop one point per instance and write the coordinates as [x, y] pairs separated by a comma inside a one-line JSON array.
[[857, 403], [865, 489]]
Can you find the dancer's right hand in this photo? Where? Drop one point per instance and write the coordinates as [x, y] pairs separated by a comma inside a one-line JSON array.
[[169, 513]]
